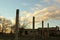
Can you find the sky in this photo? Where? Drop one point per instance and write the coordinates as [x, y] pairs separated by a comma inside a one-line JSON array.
[[47, 10]]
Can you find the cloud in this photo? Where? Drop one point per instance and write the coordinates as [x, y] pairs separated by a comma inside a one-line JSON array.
[[40, 12], [24, 4], [47, 13], [1, 17], [46, 1], [58, 0], [51, 12], [13, 21], [37, 7], [24, 13]]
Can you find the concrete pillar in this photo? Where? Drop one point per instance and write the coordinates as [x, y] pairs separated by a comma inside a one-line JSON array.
[[17, 24]]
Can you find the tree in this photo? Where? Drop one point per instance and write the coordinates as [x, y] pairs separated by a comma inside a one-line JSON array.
[[5, 24]]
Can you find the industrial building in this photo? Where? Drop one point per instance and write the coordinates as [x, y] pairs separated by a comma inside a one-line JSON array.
[[48, 33]]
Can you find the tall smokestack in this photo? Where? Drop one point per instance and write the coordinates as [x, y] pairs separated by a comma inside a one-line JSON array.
[[48, 25], [48, 28], [17, 24], [33, 22], [42, 24], [42, 29]]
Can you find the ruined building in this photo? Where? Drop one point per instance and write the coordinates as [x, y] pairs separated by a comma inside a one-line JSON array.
[[48, 33]]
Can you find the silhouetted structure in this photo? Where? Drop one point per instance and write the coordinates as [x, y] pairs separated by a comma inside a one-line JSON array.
[[17, 24], [33, 22], [42, 30], [49, 33], [42, 24], [48, 28]]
